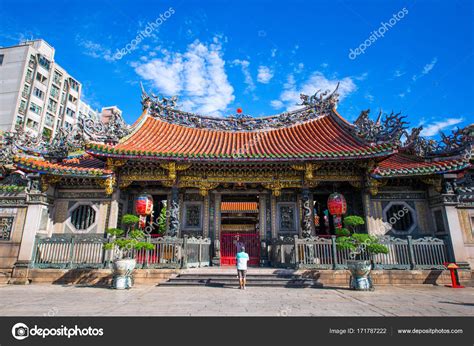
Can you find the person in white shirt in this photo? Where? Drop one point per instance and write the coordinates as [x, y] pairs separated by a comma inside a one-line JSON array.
[[242, 258]]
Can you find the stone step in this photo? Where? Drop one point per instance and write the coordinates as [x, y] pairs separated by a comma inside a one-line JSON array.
[[230, 276], [228, 279], [235, 283], [237, 280]]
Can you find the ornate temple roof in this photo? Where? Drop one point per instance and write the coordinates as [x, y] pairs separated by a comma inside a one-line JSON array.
[[82, 166], [402, 164], [314, 132], [322, 138]]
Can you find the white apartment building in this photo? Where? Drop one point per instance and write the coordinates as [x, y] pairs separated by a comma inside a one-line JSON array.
[[36, 91], [85, 110]]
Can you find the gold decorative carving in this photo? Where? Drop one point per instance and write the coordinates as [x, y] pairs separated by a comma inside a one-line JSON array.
[[308, 169], [48, 180], [173, 168], [435, 182], [107, 184], [112, 163], [373, 185]]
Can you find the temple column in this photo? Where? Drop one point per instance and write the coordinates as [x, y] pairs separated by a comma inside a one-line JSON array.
[[174, 212], [373, 215], [216, 259], [114, 209], [455, 234], [36, 204], [206, 221], [273, 204], [306, 214], [262, 198]]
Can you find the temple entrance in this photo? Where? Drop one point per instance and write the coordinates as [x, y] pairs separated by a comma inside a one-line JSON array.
[[239, 227]]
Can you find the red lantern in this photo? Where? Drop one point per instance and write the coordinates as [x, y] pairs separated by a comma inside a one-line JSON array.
[[144, 205], [337, 204], [239, 110]]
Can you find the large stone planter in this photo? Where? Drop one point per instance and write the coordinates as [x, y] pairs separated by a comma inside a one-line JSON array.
[[360, 275], [122, 271]]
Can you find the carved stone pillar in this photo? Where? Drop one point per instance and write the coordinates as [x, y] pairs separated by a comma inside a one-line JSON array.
[[306, 219], [261, 217], [174, 212], [216, 259], [205, 228], [273, 203]]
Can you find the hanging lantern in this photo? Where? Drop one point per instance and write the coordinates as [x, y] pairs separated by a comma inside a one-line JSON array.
[[144, 205], [337, 204]]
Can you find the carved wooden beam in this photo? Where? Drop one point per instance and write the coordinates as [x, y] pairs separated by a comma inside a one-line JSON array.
[[173, 168]]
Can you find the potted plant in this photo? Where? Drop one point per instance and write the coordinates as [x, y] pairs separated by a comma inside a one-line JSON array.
[[122, 244], [358, 245]]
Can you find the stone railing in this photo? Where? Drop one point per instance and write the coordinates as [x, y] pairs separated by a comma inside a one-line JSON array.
[[65, 251], [322, 253]]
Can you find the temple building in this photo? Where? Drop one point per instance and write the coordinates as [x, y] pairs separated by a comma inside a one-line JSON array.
[[261, 178]]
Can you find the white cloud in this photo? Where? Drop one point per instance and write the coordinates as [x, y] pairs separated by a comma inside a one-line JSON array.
[[96, 50], [273, 52], [244, 66], [290, 96], [398, 73], [426, 69], [264, 74], [277, 104], [435, 128], [299, 68], [197, 76], [369, 97]]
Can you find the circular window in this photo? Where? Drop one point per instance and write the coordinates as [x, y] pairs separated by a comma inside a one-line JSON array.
[[83, 217], [400, 216]]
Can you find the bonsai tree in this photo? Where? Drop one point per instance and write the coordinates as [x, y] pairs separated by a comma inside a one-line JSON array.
[[355, 242], [134, 240], [129, 221]]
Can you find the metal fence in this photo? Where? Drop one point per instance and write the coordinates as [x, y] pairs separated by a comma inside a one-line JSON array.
[[322, 253], [86, 251]]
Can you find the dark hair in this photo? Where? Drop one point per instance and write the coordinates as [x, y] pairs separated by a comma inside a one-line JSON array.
[[242, 249]]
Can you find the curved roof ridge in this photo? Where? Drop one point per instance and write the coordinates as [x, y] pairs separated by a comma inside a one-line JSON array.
[[321, 138]]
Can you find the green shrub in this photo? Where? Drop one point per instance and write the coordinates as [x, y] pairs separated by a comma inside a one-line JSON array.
[[357, 242], [135, 240]]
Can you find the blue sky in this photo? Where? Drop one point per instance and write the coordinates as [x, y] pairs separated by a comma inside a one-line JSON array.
[[259, 55]]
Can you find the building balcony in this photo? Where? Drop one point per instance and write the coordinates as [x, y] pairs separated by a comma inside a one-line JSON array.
[[25, 94], [22, 111]]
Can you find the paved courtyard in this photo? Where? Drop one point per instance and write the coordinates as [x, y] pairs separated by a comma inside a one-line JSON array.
[[56, 300]]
